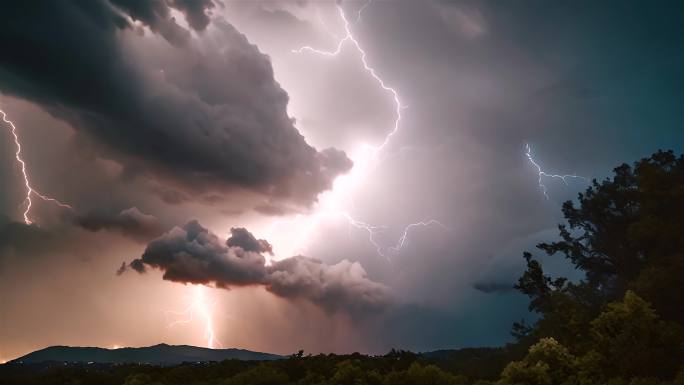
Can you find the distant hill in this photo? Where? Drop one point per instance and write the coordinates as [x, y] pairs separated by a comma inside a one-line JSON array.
[[161, 354]]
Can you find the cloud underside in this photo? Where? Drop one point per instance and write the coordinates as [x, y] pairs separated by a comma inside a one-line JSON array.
[[131, 223], [191, 117], [193, 254]]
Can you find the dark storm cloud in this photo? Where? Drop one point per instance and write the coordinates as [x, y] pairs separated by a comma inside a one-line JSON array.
[[195, 121], [241, 237], [192, 254], [195, 11], [62, 232], [156, 14], [131, 223], [56, 241], [19, 236]]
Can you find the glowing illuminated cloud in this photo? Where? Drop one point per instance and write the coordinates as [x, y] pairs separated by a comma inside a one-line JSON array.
[[331, 203]]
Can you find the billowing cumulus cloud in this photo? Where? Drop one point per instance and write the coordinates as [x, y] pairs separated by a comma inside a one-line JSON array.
[[193, 254], [241, 237], [193, 119], [156, 14], [195, 11], [342, 285]]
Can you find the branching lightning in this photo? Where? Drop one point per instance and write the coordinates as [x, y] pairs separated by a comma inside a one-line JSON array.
[[30, 190], [402, 240], [349, 38], [200, 306], [543, 174], [361, 161]]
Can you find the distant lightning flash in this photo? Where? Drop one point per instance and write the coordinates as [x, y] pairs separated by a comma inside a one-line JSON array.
[[29, 189], [362, 162], [199, 305], [314, 220], [404, 235], [543, 174], [373, 230]]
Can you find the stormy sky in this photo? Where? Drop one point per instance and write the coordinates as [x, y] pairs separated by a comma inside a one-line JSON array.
[[227, 189]]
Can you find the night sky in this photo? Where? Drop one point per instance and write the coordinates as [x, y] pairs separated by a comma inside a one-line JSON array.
[[263, 175]]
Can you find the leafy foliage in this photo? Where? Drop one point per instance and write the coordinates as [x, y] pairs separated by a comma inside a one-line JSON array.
[[627, 233], [632, 341], [627, 236]]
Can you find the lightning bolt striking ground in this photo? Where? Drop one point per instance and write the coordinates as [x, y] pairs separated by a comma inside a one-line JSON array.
[[543, 174], [203, 308], [29, 188], [361, 162]]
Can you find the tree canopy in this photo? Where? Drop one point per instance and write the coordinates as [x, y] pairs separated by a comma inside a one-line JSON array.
[[626, 234]]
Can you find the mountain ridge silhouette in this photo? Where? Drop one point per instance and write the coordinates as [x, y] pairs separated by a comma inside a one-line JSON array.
[[155, 354]]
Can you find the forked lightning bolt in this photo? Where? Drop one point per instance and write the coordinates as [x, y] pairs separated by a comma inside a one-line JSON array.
[[199, 305], [30, 190], [349, 38], [372, 230], [542, 174], [402, 240]]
